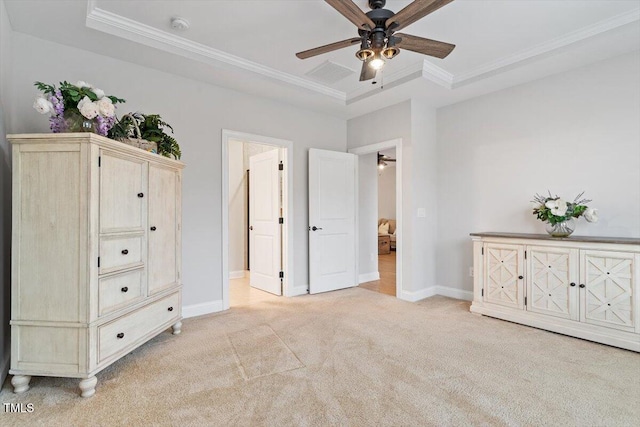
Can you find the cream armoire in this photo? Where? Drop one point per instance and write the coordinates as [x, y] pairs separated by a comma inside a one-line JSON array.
[[96, 254]]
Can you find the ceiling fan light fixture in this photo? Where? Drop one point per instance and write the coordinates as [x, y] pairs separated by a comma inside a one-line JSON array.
[[377, 62], [390, 52], [364, 54]]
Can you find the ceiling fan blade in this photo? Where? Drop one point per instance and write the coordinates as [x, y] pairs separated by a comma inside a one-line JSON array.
[[353, 13], [424, 46], [328, 48], [414, 11], [367, 72]]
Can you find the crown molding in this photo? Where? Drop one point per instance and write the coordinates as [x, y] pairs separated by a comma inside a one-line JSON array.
[[437, 75], [495, 67], [117, 25]]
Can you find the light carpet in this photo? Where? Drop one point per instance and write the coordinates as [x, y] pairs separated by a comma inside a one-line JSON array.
[[351, 357]]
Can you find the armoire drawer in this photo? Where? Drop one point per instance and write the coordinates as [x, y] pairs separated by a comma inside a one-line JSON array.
[[125, 331], [117, 253], [120, 290]]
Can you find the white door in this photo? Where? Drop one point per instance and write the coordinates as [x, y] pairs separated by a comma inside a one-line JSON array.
[[332, 220], [265, 252]]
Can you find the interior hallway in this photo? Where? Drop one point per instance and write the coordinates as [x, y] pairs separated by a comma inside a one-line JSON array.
[[387, 268], [241, 293]]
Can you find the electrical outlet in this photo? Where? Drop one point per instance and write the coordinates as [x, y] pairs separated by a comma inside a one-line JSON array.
[[470, 271]]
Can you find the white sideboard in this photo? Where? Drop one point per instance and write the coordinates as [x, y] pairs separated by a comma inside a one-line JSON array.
[[586, 287], [96, 254]]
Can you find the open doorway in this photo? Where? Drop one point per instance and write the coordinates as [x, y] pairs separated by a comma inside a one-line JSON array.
[[257, 213], [380, 217]]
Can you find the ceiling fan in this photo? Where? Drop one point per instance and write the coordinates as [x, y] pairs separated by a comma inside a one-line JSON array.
[[377, 33], [382, 160]]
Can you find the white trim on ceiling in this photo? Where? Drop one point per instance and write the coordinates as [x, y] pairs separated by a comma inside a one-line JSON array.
[[494, 67], [117, 25]]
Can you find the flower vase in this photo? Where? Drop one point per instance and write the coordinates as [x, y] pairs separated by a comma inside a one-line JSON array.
[[561, 229], [76, 122]]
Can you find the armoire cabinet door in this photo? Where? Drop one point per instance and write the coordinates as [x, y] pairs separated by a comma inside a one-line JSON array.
[[607, 289], [122, 192], [504, 269], [163, 227], [552, 277]]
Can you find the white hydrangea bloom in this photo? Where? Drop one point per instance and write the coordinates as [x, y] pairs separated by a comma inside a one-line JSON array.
[[43, 106], [106, 107], [591, 215], [87, 108]]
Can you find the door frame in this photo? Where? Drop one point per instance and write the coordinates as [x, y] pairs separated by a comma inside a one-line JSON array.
[[287, 208], [374, 148]]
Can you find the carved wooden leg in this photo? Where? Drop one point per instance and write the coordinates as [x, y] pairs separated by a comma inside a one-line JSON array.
[[177, 328], [20, 383], [88, 386]]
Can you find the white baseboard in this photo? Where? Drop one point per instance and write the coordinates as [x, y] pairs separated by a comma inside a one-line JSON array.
[[413, 296], [299, 290], [194, 310], [445, 291], [4, 367], [240, 274], [368, 277], [456, 293]]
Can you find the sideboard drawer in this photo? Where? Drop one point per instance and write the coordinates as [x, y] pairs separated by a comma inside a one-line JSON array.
[[128, 330], [117, 253], [120, 290]]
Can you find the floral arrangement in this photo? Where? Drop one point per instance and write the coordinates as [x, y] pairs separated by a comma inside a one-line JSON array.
[[71, 105], [555, 210]]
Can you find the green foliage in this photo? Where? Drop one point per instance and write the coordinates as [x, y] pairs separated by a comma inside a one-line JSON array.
[[150, 127]]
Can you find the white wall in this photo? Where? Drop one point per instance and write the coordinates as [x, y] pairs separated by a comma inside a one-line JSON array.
[[5, 192], [383, 125], [237, 208], [198, 113], [424, 189], [367, 217], [574, 131], [387, 193]]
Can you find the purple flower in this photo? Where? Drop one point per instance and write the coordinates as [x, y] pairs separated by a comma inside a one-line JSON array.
[[104, 124]]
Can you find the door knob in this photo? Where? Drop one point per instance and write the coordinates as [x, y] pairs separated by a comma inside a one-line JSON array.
[[314, 228], [251, 227]]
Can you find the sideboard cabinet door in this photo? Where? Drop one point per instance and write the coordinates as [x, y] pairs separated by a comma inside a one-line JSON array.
[[504, 269], [552, 281], [163, 227], [122, 192], [607, 289]]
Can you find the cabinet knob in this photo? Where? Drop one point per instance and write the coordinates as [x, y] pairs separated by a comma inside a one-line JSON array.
[[251, 227], [572, 284], [153, 228], [520, 277], [170, 308], [125, 251], [582, 285], [120, 335], [141, 195], [125, 289]]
